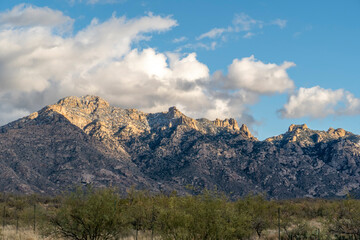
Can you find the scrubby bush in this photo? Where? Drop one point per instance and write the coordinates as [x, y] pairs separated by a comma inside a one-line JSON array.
[[103, 214], [346, 219], [89, 215]]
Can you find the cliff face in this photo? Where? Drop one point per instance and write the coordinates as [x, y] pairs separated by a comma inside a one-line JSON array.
[[111, 125], [85, 140], [306, 137]]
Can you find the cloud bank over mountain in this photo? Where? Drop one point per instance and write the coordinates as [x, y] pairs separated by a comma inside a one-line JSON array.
[[42, 60]]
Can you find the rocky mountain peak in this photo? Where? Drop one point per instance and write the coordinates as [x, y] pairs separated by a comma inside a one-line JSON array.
[[298, 128], [246, 131], [227, 123], [339, 132], [84, 140], [114, 125], [305, 136], [174, 113], [87, 103], [79, 111]]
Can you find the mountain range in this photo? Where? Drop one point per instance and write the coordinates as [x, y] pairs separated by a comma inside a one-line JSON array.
[[84, 140]]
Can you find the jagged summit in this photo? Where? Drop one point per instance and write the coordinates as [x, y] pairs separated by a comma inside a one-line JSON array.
[[97, 117], [88, 100], [339, 132], [228, 123], [111, 124], [306, 136], [294, 127], [84, 140], [174, 113], [88, 104], [246, 131], [78, 110]]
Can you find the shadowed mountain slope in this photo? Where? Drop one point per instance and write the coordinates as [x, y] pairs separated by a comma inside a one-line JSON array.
[[83, 140]]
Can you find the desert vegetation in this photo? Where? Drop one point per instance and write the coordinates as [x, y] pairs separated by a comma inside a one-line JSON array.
[[104, 214]]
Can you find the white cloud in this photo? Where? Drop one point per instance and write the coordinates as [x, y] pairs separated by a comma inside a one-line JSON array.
[[247, 79], [39, 65], [317, 102], [244, 22], [352, 105], [188, 68], [180, 39], [199, 45], [92, 2], [43, 58], [104, 1], [213, 33], [25, 15], [279, 22], [249, 35], [241, 23], [259, 77]]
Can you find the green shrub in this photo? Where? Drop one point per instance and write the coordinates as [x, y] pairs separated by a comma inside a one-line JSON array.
[[89, 214]]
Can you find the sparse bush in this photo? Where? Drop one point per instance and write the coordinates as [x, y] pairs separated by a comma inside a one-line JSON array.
[[140, 211], [346, 219], [89, 215], [103, 214]]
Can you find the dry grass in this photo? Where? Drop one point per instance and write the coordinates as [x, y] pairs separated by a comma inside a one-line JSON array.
[[10, 233]]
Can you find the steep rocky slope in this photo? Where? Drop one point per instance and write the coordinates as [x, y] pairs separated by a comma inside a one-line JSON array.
[[85, 140]]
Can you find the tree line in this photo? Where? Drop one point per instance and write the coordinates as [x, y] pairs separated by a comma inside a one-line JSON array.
[[89, 213]]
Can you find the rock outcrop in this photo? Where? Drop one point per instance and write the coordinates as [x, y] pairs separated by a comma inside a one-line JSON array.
[[111, 125], [337, 133], [87, 141], [227, 123]]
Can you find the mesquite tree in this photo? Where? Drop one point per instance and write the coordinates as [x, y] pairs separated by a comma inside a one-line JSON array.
[[90, 215]]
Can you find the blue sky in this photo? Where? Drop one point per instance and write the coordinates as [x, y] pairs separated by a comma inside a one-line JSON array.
[[266, 63]]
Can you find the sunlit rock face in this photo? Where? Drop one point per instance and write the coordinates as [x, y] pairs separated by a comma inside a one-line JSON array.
[[85, 140], [97, 118]]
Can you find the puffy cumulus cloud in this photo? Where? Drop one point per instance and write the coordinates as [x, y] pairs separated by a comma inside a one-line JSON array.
[[145, 80], [317, 102], [39, 65], [247, 79], [43, 58], [352, 105], [97, 60], [253, 75], [227, 103], [188, 68], [27, 15], [36, 61]]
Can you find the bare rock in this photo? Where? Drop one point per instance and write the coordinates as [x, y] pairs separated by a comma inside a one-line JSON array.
[[245, 130], [337, 133], [298, 128], [84, 140]]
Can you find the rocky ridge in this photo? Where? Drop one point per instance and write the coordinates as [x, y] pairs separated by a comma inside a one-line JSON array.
[[111, 125], [83, 140], [306, 137]]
